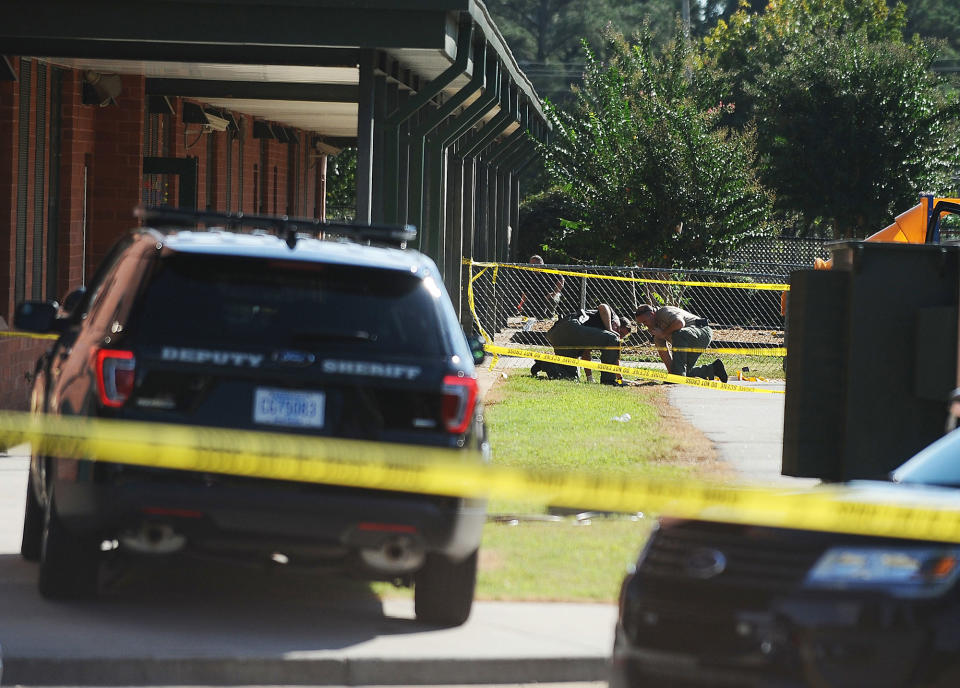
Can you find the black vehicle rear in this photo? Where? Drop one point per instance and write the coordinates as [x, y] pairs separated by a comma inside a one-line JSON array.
[[240, 332], [333, 350]]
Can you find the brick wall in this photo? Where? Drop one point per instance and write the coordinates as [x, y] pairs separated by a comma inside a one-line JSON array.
[[76, 163], [251, 158], [100, 182], [18, 356], [199, 151], [117, 172], [220, 177], [9, 106]]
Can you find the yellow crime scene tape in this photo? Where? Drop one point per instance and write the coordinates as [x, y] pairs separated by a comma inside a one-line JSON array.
[[27, 335], [617, 278], [496, 351], [624, 370], [363, 464], [778, 352], [473, 308], [771, 351], [774, 351]]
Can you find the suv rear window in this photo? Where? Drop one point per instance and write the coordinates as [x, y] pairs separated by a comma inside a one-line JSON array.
[[314, 306]]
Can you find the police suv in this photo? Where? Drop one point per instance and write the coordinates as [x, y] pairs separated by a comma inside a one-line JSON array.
[[351, 336]]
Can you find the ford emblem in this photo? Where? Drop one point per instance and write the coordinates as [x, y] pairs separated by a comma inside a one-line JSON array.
[[293, 358], [705, 563]]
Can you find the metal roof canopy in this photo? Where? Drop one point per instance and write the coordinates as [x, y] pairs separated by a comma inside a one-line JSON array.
[[295, 62]]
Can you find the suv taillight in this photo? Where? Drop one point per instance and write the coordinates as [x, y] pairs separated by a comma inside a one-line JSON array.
[[459, 398], [115, 375]]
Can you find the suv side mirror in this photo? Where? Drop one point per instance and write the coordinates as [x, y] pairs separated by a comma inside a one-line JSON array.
[[477, 343], [36, 316], [71, 302]]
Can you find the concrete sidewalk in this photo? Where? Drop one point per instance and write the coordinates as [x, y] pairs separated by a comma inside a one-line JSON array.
[[185, 623], [746, 428]]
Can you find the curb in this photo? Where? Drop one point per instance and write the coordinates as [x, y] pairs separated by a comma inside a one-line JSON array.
[[314, 671]]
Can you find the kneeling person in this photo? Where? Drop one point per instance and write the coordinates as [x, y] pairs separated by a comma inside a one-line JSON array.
[[683, 330], [577, 334]]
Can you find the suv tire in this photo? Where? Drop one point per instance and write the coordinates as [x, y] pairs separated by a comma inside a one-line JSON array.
[[32, 540], [69, 565], [443, 590]]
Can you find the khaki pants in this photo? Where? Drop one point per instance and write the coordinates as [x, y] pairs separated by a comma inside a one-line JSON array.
[[684, 361]]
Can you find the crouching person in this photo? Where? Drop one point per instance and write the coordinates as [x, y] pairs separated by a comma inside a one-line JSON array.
[[576, 335], [683, 331]]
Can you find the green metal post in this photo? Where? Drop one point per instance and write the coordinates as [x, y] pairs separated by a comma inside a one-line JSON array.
[[415, 211], [392, 140], [431, 238], [495, 126]]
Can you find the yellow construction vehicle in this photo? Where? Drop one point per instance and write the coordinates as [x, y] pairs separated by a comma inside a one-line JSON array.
[[919, 225]]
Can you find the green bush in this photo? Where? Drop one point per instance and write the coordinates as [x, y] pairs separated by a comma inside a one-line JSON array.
[[650, 176]]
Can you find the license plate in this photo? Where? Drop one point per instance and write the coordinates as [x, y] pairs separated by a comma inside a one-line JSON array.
[[288, 408]]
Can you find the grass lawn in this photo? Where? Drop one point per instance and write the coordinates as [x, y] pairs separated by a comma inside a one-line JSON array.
[[539, 423], [770, 367], [558, 561]]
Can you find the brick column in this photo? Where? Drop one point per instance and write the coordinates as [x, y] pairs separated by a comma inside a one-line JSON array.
[[17, 355], [9, 104], [76, 155], [114, 186], [251, 157]]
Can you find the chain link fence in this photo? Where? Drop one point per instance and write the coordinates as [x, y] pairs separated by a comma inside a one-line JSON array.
[[777, 255], [516, 304]]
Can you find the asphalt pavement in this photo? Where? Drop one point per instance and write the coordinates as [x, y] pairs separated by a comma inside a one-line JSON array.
[[745, 427], [190, 623]]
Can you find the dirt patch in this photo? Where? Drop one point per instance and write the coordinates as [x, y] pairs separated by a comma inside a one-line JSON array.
[[490, 560], [691, 447], [513, 335], [760, 337], [494, 390]]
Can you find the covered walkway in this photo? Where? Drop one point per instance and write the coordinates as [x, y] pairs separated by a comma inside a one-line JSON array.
[[236, 106]]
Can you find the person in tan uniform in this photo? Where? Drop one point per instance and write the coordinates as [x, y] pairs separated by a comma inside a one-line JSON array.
[[682, 330]]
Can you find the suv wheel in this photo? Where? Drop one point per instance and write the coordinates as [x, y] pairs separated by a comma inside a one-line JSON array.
[[32, 539], [69, 565], [443, 590]]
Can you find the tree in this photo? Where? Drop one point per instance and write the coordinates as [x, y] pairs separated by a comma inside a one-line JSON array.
[[850, 123], [545, 35], [542, 231], [936, 19], [342, 185], [737, 52], [538, 29], [650, 176], [851, 129]]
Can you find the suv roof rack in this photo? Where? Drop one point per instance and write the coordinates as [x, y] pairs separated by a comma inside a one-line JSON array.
[[283, 226]]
